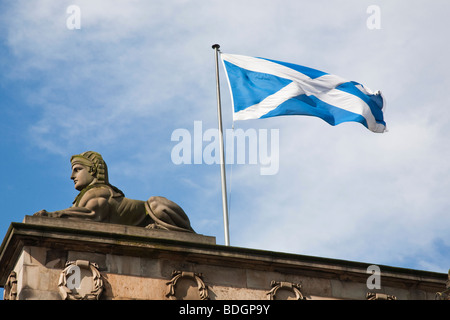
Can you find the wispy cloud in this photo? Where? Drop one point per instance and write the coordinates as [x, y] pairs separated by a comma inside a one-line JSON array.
[[137, 70]]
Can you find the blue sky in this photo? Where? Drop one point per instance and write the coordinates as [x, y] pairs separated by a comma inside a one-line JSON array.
[[138, 70]]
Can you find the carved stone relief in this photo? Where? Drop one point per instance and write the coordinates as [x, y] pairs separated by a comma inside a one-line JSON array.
[[379, 296], [285, 291], [10, 289], [80, 280], [444, 295], [181, 285]]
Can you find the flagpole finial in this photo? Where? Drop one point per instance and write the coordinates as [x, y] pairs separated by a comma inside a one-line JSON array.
[[216, 46]]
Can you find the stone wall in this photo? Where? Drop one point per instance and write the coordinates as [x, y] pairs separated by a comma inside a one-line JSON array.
[[40, 258]]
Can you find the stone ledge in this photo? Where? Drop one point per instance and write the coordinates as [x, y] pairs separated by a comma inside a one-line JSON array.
[[77, 224]]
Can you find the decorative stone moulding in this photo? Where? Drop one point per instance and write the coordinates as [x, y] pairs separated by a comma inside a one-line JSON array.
[[10, 289], [197, 277], [379, 296], [80, 280], [444, 295], [289, 286]]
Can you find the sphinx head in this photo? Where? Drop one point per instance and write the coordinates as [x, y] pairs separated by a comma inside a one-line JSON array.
[[88, 168]]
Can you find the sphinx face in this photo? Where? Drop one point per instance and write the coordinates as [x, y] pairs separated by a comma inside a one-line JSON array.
[[81, 176]]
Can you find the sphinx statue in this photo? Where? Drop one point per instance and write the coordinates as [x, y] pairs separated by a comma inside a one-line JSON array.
[[100, 201]]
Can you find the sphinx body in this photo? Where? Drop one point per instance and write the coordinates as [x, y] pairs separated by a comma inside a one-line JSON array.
[[100, 201]]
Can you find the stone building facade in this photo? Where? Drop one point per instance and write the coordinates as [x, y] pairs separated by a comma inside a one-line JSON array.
[[53, 259]]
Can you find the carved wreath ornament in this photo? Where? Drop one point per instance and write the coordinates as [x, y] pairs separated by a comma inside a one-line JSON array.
[[10, 291], [197, 277], [70, 281], [444, 295], [293, 287]]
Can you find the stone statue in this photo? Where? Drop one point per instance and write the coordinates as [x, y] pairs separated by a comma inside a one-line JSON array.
[[100, 201]]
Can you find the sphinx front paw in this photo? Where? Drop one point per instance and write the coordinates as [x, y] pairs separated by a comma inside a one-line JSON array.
[[45, 213], [42, 213], [154, 226]]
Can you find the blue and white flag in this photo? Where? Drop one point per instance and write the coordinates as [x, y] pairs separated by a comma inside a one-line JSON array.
[[262, 88]]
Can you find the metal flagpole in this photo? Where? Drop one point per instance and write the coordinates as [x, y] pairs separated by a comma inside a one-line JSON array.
[[222, 153]]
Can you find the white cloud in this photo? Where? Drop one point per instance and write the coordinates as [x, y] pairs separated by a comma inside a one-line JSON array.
[[137, 70]]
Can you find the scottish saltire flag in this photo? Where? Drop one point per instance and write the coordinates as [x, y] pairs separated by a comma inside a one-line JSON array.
[[262, 88]]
